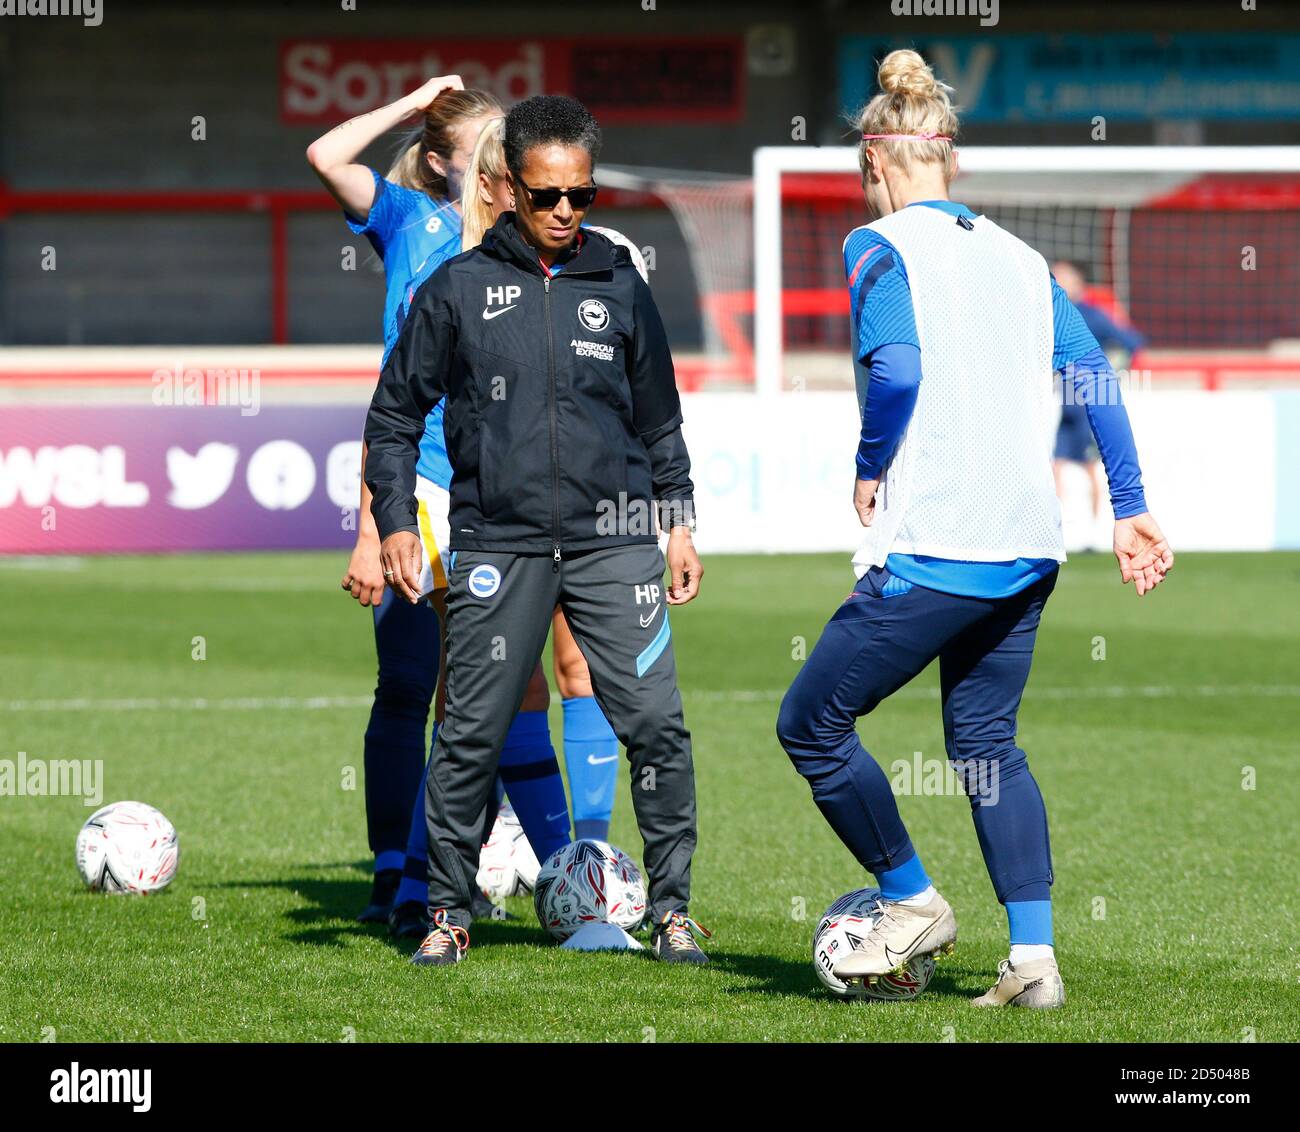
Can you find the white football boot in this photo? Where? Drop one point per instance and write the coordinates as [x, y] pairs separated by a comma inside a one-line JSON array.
[[901, 933], [1035, 984]]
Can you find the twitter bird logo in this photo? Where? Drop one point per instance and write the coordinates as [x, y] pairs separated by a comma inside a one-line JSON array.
[[200, 480]]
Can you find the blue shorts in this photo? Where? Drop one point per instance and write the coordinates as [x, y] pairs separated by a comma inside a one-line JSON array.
[[1074, 439]]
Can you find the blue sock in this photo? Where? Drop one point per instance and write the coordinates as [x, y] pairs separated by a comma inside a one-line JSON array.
[[388, 859], [903, 880], [1030, 922], [591, 756], [533, 784], [415, 869]]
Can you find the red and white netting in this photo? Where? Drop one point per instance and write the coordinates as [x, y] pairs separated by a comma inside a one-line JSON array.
[[1197, 247]]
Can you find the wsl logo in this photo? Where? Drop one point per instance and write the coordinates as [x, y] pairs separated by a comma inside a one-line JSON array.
[[593, 314], [484, 581]]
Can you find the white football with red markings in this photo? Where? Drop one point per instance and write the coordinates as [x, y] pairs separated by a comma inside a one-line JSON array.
[[588, 882], [127, 847], [841, 931], [507, 865]]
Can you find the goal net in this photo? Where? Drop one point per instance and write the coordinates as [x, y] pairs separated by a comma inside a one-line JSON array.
[[1196, 247], [715, 217]]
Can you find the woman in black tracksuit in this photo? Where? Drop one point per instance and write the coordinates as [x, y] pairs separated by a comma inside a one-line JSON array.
[[563, 426]]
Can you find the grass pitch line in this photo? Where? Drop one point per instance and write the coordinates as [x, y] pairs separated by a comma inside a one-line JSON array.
[[177, 703], [728, 696], [1103, 692], [44, 564]]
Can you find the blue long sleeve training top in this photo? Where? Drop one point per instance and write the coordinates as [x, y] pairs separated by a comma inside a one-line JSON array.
[[887, 359]]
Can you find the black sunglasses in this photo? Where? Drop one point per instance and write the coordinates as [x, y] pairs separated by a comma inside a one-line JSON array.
[[547, 199]]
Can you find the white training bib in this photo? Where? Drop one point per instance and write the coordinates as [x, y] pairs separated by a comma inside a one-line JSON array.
[[971, 479]]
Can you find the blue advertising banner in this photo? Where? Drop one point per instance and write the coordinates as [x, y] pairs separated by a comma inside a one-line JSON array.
[[1038, 78]]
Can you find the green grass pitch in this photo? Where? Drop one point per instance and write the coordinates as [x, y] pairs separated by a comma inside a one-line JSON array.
[[1175, 886]]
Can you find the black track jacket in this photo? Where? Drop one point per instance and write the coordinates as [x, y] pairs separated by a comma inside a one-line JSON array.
[[562, 421]]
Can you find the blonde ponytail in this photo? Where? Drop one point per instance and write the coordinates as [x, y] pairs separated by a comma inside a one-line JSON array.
[[914, 106], [489, 158], [406, 167], [436, 134]]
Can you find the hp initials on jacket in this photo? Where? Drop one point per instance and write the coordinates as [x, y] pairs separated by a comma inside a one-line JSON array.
[[502, 299]]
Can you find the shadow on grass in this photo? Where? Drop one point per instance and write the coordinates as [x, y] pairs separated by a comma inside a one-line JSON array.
[[334, 892], [337, 891], [769, 974]]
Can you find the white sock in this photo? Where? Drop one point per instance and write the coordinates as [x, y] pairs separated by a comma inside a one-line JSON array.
[[920, 899], [1028, 952]]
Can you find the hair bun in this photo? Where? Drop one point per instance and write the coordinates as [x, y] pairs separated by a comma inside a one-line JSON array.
[[905, 72]]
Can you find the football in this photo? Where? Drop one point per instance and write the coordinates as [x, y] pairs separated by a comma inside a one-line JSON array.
[[588, 882], [507, 865], [127, 847], [839, 932]]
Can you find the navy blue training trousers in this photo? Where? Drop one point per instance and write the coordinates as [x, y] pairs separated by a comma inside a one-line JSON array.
[[887, 631]]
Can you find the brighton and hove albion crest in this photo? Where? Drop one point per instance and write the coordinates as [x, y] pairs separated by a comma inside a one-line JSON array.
[[593, 314]]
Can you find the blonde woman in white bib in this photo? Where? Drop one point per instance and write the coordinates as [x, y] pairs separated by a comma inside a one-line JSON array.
[[958, 328]]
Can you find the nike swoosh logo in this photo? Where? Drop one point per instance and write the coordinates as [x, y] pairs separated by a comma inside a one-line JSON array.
[[645, 621], [556, 817], [901, 956], [593, 761], [488, 315]]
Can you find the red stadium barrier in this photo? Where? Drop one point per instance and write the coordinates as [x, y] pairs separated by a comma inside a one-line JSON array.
[[277, 204], [1208, 371], [732, 311]]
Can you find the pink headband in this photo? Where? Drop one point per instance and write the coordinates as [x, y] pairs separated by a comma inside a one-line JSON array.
[[906, 137]]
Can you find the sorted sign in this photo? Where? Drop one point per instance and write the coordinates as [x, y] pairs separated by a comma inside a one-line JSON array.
[[620, 80]]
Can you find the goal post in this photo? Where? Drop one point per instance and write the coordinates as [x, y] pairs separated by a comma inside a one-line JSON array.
[[1161, 230]]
